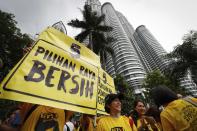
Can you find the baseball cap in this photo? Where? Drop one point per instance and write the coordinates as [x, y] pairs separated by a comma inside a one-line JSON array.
[[110, 97]]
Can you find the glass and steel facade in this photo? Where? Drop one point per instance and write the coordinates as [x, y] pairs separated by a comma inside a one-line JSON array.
[[154, 55], [136, 52], [151, 48], [125, 61]]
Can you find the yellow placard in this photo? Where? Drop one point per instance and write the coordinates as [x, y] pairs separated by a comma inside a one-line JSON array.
[[58, 72], [105, 86]]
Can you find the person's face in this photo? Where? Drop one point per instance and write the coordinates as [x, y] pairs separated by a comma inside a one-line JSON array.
[[140, 108], [115, 106]]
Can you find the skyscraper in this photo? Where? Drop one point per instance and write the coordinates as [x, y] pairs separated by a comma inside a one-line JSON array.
[[126, 61], [95, 5], [151, 48], [154, 55], [136, 52]]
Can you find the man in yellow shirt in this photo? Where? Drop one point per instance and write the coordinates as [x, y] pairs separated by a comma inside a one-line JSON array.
[[178, 114], [114, 122]]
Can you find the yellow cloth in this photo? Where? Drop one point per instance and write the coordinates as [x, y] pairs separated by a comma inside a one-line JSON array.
[[179, 115], [139, 124], [109, 123], [45, 118]]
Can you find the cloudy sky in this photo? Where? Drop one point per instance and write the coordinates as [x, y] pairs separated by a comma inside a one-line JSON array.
[[167, 20]]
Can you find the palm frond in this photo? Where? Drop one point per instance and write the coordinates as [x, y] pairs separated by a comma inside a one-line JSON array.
[[100, 19], [92, 25], [87, 13], [109, 50], [77, 24], [190, 37], [193, 70], [104, 28], [81, 37], [110, 40], [179, 69]]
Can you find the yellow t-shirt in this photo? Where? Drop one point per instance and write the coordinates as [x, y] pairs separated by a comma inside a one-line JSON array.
[[139, 124], [179, 115], [109, 123], [143, 121], [45, 118]]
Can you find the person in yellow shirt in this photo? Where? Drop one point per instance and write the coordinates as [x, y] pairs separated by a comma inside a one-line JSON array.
[[86, 123], [143, 122], [44, 118], [39, 118], [114, 122], [178, 114]]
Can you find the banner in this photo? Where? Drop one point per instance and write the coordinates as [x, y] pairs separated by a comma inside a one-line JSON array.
[[105, 86], [58, 72]]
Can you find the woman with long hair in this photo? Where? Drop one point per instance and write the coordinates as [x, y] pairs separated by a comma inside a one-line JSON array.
[[142, 122]]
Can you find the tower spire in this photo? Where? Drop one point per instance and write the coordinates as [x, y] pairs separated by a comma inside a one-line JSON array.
[[95, 5]]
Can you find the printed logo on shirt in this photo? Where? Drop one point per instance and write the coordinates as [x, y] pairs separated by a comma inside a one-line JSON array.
[[47, 121], [117, 129], [190, 115]]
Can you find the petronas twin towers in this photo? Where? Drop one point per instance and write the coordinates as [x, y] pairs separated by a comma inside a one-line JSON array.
[[136, 52]]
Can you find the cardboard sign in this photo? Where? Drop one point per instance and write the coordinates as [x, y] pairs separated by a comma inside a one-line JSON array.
[[105, 86], [58, 72]]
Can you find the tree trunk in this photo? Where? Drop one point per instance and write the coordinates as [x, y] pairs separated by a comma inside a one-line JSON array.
[[103, 60], [114, 62], [90, 41]]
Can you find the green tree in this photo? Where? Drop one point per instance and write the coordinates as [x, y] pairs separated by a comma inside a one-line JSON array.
[[91, 26], [123, 87], [156, 78], [102, 48], [12, 42], [184, 57]]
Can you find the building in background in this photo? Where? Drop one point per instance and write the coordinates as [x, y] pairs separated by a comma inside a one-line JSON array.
[[95, 5], [125, 59], [154, 54], [136, 52], [151, 48]]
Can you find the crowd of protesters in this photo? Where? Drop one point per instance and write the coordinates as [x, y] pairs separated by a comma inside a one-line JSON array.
[[170, 113]]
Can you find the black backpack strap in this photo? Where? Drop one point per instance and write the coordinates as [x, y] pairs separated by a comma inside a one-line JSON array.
[[68, 129], [29, 112]]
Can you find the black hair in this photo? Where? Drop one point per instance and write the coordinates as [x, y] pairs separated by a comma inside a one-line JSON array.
[[107, 109], [154, 112], [162, 95], [109, 98], [136, 102]]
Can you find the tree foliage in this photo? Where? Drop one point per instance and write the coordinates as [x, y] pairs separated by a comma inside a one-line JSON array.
[[12, 42], [184, 57], [156, 78], [102, 48], [92, 26], [123, 87]]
